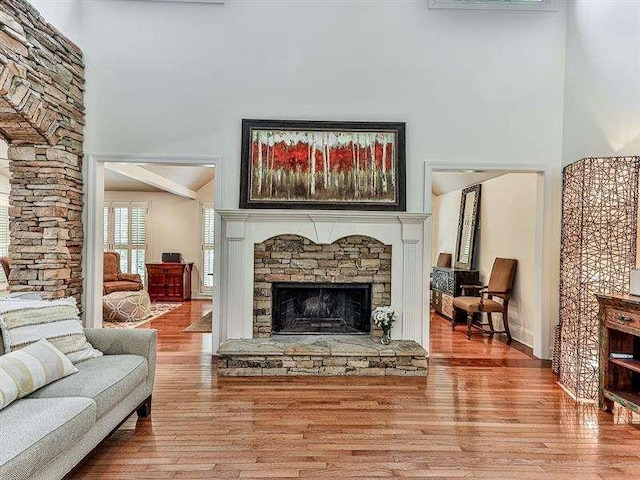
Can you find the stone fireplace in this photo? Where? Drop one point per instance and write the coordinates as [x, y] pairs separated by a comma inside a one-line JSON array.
[[326, 276], [260, 248], [297, 289]]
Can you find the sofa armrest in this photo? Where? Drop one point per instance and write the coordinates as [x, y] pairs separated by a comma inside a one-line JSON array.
[[126, 342], [130, 277]]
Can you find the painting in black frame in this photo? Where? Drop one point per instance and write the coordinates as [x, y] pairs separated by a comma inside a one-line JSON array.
[[323, 165]]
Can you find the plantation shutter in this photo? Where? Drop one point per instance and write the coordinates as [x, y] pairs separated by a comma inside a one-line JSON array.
[[4, 240], [138, 243], [106, 228], [121, 235], [126, 233], [4, 230], [208, 218]]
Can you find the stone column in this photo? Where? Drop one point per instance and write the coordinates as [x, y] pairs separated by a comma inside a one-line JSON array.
[[45, 210]]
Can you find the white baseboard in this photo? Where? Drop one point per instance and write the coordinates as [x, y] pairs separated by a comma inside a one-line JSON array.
[[522, 335], [201, 297]]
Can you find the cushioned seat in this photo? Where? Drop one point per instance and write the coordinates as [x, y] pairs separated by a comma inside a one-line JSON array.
[[122, 286], [472, 304], [105, 379], [35, 431]]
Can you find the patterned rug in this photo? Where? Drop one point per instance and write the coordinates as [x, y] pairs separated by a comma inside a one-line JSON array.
[[202, 325], [157, 310]]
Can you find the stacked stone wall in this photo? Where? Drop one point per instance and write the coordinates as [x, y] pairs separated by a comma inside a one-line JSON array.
[[292, 258], [42, 118]]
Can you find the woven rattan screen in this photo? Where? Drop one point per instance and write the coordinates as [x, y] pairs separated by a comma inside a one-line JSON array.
[[599, 233]]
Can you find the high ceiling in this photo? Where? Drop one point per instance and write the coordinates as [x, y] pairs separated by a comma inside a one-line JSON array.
[[445, 182], [193, 178]]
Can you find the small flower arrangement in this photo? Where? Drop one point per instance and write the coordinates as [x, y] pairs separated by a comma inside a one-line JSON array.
[[384, 317]]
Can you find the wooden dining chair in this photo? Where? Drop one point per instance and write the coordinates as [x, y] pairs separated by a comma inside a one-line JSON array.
[[500, 286]]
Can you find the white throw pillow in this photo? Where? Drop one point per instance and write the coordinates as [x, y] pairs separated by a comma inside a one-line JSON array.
[[24, 371], [24, 322]]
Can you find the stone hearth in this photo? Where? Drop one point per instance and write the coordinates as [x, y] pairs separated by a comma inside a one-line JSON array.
[[327, 355]]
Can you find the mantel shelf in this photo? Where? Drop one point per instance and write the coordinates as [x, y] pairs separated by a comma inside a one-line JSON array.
[[336, 216]]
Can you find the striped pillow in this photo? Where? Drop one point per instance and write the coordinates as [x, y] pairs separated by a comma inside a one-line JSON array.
[[24, 322], [24, 371]]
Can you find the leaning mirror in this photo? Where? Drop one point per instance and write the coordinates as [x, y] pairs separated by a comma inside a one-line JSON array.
[[467, 226]]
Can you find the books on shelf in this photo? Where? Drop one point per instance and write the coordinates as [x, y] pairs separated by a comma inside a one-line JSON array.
[[621, 356]]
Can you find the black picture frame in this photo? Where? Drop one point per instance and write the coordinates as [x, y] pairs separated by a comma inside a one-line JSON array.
[[468, 220], [396, 176]]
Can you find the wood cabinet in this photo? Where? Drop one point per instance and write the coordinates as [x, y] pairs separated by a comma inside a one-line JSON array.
[[619, 334], [446, 285], [169, 282]]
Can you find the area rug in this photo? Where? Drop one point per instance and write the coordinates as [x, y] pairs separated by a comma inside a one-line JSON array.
[[157, 310], [202, 325]]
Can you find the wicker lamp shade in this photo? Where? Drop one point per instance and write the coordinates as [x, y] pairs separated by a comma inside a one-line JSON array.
[[598, 251]]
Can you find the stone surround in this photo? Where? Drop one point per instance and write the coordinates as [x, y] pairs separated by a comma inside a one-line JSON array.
[[332, 355], [42, 119], [399, 234], [293, 258]]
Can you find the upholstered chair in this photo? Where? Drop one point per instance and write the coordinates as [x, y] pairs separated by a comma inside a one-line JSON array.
[[6, 266], [113, 280], [444, 260], [492, 298]]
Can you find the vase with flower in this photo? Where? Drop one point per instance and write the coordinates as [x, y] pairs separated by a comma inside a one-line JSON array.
[[384, 317]]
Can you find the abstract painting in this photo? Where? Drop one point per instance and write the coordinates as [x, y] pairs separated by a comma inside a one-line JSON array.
[[323, 165]]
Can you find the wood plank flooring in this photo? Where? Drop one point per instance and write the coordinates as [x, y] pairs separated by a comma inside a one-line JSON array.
[[485, 410]]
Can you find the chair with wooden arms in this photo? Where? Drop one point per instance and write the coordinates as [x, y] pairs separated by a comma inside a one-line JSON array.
[[500, 286]]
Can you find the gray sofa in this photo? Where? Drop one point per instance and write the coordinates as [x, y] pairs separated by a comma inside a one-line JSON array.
[[45, 435]]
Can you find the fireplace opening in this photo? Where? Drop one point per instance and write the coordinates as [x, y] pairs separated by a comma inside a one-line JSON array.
[[321, 308]]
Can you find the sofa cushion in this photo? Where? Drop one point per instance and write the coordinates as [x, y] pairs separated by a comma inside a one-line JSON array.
[[121, 286], [24, 371], [24, 322], [106, 380], [34, 432]]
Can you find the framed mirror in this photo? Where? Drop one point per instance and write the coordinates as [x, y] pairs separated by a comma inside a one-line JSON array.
[[467, 227]]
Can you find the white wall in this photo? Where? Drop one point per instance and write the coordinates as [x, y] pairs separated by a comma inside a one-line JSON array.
[[602, 105], [62, 14], [174, 226], [178, 78], [446, 210], [473, 86], [507, 229]]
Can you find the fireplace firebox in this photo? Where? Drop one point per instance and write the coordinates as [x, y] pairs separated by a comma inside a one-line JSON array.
[[321, 308]]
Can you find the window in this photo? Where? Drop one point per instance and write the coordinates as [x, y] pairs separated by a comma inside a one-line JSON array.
[[125, 232], [496, 4], [208, 219], [4, 237]]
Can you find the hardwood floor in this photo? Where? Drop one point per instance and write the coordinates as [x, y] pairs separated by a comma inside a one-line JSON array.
[[485, 410]]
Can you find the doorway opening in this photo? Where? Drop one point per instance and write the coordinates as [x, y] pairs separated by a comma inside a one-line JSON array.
[[152, 232], [511, 224]]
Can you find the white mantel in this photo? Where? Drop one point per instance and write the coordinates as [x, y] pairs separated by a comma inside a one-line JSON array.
[[241, 229]]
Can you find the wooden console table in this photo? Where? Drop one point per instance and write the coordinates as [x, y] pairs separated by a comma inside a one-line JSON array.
[[169, 282], [446, 285], [619, 333]]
